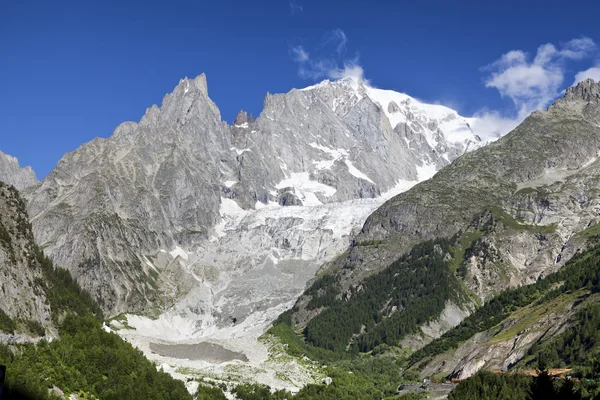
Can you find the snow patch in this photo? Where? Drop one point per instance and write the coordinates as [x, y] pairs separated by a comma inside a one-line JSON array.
[[338, 154], [305, 188], [239, 151], [426, 171], [178, 251], [334, 153], [231, 214], [148, 263], [356, 172], [400, 187]]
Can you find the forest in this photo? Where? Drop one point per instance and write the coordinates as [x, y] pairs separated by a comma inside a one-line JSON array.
[[85, 359], [581, 272], [388, 305]]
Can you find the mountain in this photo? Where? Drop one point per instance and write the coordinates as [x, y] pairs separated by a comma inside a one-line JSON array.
[[12, 174], [514, 329], [502, 216], [173, 179], [215, 229]]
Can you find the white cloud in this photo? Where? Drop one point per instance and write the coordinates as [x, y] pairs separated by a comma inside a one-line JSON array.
[[591, 73], [350, 70], [330, 63], [491, 125], [578, 49], [295, 8], [531, 84]]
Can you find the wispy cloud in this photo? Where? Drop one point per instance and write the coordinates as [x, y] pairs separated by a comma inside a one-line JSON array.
[[330, 61], [295, 8], [299, 54], [492, 125], [337, 38], [531, 84]]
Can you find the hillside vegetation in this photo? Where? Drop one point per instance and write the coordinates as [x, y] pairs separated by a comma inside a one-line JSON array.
[[84, 359]]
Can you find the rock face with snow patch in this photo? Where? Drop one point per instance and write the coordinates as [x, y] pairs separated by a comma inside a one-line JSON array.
[[12, 173], [110, 207]]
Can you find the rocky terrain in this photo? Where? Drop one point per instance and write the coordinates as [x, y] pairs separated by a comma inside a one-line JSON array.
[[520, 207], [202, 233], [22, 284], [502, 347], [11, 173]]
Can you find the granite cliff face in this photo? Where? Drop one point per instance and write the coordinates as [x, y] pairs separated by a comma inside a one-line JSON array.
[[215, 229], [174, 179], [12, 173]]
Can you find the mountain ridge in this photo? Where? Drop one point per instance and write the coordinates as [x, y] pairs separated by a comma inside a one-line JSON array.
[[419, 214], [185, 164], [516, 210]]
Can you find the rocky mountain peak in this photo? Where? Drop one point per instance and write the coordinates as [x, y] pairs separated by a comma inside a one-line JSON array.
[[587, 90], [243, 118], [12, 173], [198, 83]]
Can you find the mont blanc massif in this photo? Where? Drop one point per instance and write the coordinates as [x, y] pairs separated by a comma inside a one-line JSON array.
[[349, 243]]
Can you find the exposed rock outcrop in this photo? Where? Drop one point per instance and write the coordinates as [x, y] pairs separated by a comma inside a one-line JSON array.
[[12, 173]]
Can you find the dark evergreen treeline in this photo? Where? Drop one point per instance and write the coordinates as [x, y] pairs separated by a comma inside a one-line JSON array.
[[205, 392], [323, 292], [581, 272], [63, 292], [488, 386], [388, 305], [85, 359], [577, 346]]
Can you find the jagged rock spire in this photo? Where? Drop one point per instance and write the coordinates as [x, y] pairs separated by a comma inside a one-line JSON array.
[[587, 90], [243, 117]]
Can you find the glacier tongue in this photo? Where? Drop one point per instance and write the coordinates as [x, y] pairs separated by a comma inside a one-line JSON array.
[[244, 277]]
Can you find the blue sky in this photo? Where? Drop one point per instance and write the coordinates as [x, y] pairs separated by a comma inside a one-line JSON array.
[[71, 71]]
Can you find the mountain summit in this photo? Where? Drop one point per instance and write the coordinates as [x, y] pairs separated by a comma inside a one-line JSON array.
[[587, 91]]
